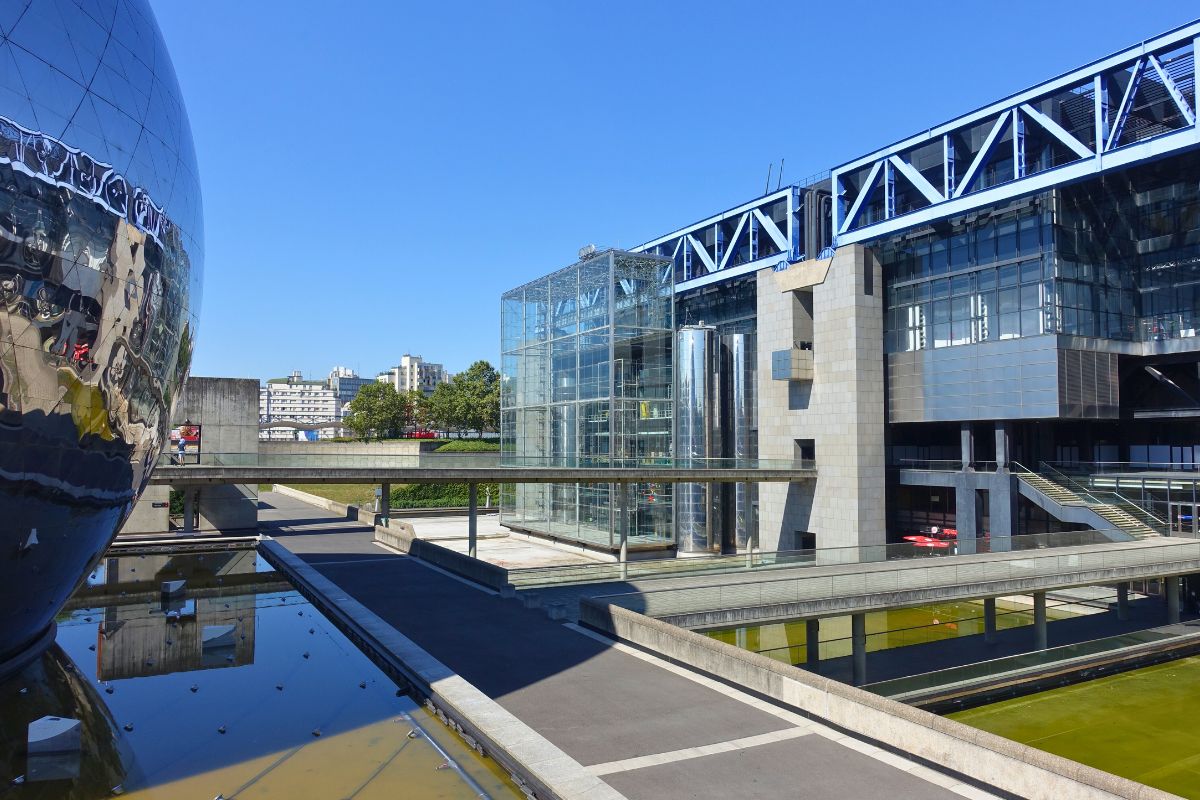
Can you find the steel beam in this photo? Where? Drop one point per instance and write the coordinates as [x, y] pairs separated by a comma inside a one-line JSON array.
[[864, 192], [983, 156], [1069, 80], [1019, 110], [914, 176], [732, 246], [1148, 150], [889, 190], [948, 165], [1018, 142], [1057, 131], [1173, 90], [772, 230], [702, 251], [1131, 88]]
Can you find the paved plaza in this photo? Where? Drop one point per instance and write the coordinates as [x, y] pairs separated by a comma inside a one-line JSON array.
[[647, 728]]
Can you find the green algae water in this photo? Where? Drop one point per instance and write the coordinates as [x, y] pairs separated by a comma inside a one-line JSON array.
[[901, 627], [1139, 724]]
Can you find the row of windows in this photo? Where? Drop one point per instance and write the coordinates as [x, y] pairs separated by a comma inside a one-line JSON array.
[[1016, 234]]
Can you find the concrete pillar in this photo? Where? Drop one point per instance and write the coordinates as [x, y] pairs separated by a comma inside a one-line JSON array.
[[966, 437], [1002, 510], [858, 639], [965, 514], [1002, 445], [385, 503], [752, 540], [812, 643], [989, 620], [189, 509], [472, 518], [1041, 638], [1123, 601], [623, 556], [1171, 587]]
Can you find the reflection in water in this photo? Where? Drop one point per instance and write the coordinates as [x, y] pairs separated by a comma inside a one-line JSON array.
[[52, 686], [242, 691], [897, 627]]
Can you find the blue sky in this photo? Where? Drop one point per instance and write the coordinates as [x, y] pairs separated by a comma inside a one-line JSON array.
[[376, 173]]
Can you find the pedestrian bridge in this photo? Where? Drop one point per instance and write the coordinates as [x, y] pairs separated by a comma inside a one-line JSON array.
[[814, 592], [250, 468], [844, 589]]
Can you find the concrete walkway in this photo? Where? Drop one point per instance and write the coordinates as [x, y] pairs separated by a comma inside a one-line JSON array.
[[495, 544], [647, 728]]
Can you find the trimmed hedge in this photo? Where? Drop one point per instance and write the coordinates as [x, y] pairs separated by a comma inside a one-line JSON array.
[[470, 446], [440, 495]]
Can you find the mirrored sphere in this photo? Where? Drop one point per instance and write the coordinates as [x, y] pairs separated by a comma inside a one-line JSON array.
[[101, 259]]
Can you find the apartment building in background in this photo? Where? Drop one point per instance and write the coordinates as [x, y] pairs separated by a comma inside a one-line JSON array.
[[415, 374]]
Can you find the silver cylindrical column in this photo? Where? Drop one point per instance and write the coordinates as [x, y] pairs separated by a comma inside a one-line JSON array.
[[697, 400], [741, 427]]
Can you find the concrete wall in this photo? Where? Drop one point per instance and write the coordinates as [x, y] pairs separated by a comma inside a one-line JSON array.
[[841, 409], [227, 408], [403, 447], [227, 411], [151, 513]]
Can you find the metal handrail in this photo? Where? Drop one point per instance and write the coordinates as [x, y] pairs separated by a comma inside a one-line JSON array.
[[490, 460], [831, 556], [1125, 501]]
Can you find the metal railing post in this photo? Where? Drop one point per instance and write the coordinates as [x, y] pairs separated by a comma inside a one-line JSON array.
[[472, 519]]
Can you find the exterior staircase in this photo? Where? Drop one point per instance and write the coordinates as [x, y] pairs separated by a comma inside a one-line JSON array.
[[1108, 511]]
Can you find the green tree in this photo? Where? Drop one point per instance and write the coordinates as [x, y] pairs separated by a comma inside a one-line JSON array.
[[469, 402], [418, 409], [480, 385], [444, 407], [378, 411]]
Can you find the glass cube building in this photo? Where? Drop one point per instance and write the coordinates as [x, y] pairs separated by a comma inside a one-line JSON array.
[[587, 378], [940, 326]]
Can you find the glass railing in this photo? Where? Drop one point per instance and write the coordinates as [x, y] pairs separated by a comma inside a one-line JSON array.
[[943, 464], [984, 670], [930, 464], [1162, 327], [472, 460], [643, 569], [954, 620], [1103, 467], [1144, 558]]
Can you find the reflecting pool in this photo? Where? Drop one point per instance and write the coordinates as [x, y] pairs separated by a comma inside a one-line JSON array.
[[1139, 724], [233, 686], [900, 627]]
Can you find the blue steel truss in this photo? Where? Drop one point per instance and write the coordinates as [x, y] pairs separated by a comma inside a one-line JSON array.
[[1058, 132], [766, 231]]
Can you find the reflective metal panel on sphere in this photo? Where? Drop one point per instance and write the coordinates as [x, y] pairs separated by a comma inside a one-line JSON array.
[[100, 268]]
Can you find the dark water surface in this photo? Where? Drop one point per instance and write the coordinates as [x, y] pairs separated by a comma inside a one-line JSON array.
[[238, 688]]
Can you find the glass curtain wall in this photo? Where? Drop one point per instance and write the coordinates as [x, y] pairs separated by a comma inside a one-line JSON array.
[[1116, 257], [586, 381]]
